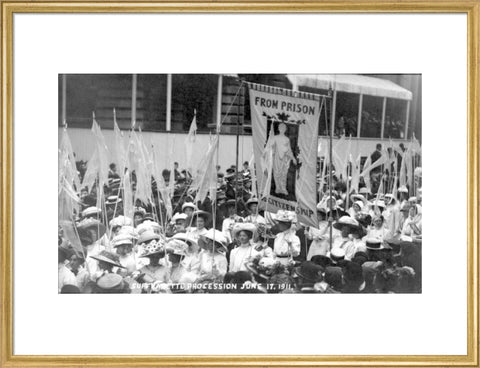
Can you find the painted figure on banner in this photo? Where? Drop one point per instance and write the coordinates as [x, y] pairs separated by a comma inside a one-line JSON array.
[[282, 157]]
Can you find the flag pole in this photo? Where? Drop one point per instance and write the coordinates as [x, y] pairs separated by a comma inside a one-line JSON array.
[[236, 155], [330, 178]]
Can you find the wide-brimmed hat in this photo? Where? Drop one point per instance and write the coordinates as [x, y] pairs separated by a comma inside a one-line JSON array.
[[358, 197], [203, 214], [391, 197], [90, 211], [285, 216], [309, 271], [179, 216], [122, 239], [121, 221], [216, 236], [111, 281], [147, 236], [189, 205], [177, 246], [374, 244], [244, 226], [403, 189], [148, 226], [337, 254], [108, 257], [378, 203], [153, 248], [112, 200], [184, 237], [252, 200], [90, 230], [347, 221], [128, 230]]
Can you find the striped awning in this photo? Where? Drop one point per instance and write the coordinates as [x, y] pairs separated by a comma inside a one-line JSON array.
[[352, 83]]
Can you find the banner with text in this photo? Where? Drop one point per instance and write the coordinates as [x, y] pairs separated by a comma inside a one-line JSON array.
[[285, 141]]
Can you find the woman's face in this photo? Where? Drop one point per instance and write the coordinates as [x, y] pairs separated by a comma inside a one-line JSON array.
[[345, 231], [179, 225], [137, 219], [188, 211], [174, 258], [282, 128], [155, 259], [377, 222], [412, 211], [124, 249], [253, 208], [200, 222], [243, 237]]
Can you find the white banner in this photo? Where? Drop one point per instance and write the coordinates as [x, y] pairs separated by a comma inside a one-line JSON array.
[[285, 141]]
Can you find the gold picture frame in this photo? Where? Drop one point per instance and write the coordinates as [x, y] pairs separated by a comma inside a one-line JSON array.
[[9, 8]]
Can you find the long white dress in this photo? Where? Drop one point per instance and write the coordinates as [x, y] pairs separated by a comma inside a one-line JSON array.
[[240, 255], [281, 162]]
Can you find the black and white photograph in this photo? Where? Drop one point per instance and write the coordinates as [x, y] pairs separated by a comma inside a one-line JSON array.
[[239, 183]]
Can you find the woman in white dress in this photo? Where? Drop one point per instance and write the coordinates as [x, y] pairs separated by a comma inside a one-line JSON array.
[[378, 229], [213, 262], [282, 156], [243, 233], [200, 219]]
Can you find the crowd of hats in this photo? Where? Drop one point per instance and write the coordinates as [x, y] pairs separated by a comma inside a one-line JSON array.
[[383, 266]]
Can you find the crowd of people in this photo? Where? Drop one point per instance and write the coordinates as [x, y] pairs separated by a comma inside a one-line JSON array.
[[364, 242]]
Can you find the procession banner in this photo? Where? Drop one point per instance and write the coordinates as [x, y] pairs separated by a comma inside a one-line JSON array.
[[285, 141]]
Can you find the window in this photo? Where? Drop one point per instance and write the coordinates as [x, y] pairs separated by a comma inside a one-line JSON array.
[[152, 101], [395, 115], [371, 117], [346, 118], [99, 93], [192, 92]]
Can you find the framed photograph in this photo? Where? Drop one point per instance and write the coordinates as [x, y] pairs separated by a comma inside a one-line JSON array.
[[240, 184]]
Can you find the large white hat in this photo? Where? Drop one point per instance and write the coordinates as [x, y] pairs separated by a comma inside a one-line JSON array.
[[337, 253], [147, 236], [374, 244], [129, 231], [120, 221], [378, 203], [184, 237], [148, 226], [285, 216], [346, 220], [216, 236], [403, 189], [179, 216], [189, 205], [177, 246], [244, 226], [91, 211], [122, 239]]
